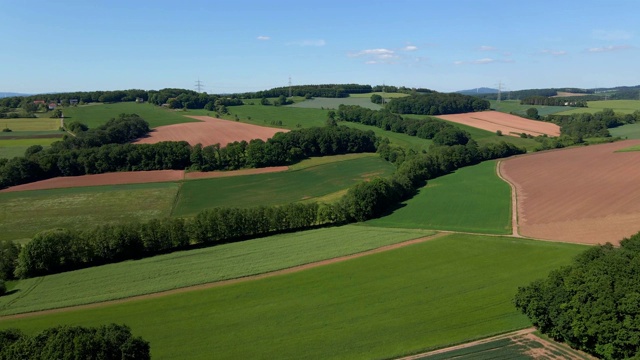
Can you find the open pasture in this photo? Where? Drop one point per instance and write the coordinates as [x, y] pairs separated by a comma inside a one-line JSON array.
[[334, 103], [514, 106], [460, 288], [194, 267], [398, 139], [94, 115], [23, 214], [508, 124], [209, 131], [16, 147], [285, 117], [618, 106], [585, 195], [29, 124], [472, 199], [277, 188], [629, 131], [385, 95]]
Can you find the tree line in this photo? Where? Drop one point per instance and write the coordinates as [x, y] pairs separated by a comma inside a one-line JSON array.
[[322, 90], [441, 132], [107, 149], [554, 101], [59, 250], [437, 104], [586, 125], [106, 342], [593, 304]]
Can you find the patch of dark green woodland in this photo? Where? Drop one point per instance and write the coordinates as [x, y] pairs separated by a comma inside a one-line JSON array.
[[106, 342], [437, 104], [322, 90], [107, 149], [593, 304], [554, 101]]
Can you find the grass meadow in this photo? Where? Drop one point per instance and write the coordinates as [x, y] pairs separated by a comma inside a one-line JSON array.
[[277, 188], [94, 115], [386, 95], [398, 139], [10, 148], [629, 131], [30, 124], [423, 296], [514, 106], [25, 213], [618, 106], [334, 103], [285, 117], [194, 267], [472, 199]]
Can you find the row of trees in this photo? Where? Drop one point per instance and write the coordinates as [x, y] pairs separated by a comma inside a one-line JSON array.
[[80, 96], [106, 342], [592, 125], [60, 250], [437, 104], [441, 132], [553, 101], [323, 90], [592, 304], [105, 150]]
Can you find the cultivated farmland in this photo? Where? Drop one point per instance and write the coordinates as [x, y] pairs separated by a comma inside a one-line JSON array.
[[209, 131], [586, 195], [473, 199], [507, 124], [96, 114], [460, 289], [333, 103], [514, 107], [619, 106], [16, 147]]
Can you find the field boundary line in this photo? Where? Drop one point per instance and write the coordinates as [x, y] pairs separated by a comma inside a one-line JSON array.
[[469, 344], [515, 225], [204, 286]]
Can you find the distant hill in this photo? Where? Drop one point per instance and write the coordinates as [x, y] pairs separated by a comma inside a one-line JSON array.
[[476, 91], [10, 94]]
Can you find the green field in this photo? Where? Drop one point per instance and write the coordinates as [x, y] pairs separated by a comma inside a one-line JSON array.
[[25, 213], [16, 147], [472, 199], [334, 103], [277, 188], [618, 106], [632, 148], [423, 296], [398, 139], [186, 268], [385, 95], [29, 124], [289, 117], [629, 131], [94, 115], [513, 106]]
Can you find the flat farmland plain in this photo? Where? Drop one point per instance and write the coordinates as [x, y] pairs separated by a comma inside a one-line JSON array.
[[506, 123], [586, 195]]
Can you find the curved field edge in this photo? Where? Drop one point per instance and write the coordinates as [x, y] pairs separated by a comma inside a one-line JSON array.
[[472, 199], [405, 301], [195, 267]]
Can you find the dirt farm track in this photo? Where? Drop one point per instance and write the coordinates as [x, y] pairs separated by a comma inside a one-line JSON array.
[[586, 195]]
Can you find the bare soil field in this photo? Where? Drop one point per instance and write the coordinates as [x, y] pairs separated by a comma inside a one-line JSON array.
[[585, 195], [506, 123], [116, 178], [209, 131]]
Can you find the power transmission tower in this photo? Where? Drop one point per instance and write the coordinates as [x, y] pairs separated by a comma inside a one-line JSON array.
[[499, 90], [199, 85], [289, 86]]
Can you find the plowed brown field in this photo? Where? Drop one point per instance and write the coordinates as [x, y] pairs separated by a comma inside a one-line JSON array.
[[209, 131], [586, 195], [506, 123]]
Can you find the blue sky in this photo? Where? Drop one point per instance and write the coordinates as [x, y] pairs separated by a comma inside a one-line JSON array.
[[237, 46]]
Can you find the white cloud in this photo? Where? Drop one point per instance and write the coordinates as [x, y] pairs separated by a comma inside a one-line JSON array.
[[309, 42], [483, 61], [487, 48], [553, 52], [372, 52], [609, 48], [610, 35], [410, 48], [376, 56], [264, 38]]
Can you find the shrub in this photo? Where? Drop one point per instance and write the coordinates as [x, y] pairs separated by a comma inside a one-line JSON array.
[[3, 287], [6, 130]]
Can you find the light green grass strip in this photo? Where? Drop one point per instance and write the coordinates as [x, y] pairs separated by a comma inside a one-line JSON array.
[[632, 148], [94, 115], [472, 199], [194, 267], [416, 298], [618, 106]]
